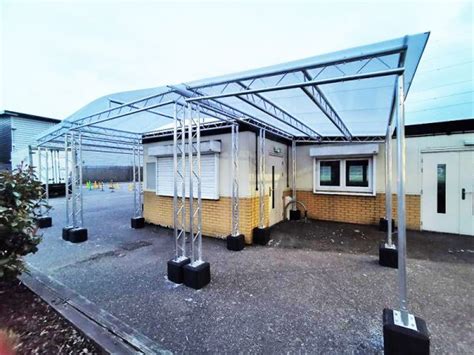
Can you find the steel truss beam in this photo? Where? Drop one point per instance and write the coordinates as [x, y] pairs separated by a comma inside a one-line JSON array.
[[195, 202], [265, 105], [280, 87], [261, 178], [235, 180], [230, 112], [275, 73], [315, 94]]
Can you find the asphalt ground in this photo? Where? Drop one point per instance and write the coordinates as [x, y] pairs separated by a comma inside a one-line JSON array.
[[304, 292]]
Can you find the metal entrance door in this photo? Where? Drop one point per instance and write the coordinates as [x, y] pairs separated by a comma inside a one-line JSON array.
[[447, 197]]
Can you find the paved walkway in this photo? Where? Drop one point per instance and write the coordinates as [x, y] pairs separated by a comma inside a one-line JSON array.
[[263, 299]]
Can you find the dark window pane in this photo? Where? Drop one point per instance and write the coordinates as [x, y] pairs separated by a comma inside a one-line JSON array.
[[356, 173], [329, 173], [441, 188]]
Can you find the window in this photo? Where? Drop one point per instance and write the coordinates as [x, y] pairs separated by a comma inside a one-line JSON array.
[[150, 176], [441, 196], [356, 173], [329, 173], [209, 177], [345, 176]]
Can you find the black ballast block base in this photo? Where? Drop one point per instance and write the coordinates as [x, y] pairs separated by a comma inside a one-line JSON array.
[[388, 256], [138, 222], [175, 270], [383, 225], [77, 235], [295, 215], [261, 236], [401, 340], [45, 222], [235, 242], [197, 276], [66, 232]]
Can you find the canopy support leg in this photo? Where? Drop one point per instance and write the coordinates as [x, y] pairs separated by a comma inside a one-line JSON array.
[[295, 214], [261, 234], [197, 274], [403, 332], [175, 265], [44, 220], [137, 220], [235, 241]]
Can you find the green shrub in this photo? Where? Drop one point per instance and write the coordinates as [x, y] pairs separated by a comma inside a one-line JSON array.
[[20, 201]]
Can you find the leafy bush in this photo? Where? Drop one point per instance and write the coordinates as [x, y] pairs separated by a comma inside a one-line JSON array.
[[20, 202]]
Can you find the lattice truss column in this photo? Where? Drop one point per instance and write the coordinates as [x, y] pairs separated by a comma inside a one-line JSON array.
[[235, 180], [179, 169], [73, 165], [43, 176], [261, 178], [137, 153], [293, 174], [195, 202]]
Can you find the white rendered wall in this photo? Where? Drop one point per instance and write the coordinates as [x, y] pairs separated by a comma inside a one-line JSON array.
[[247, 161], [414, 146]]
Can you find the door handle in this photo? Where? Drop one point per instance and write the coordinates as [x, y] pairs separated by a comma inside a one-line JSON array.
[[463, 194]]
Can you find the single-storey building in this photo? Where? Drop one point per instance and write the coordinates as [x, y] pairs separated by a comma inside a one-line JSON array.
[[334, 182]]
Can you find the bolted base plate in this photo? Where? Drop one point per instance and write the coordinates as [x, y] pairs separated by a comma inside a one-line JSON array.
[[235, 242], [66, 232], [44, 222], [138, 222], [77, 235], [175, 269], [383, 225], [261, 236], [197, 275], [402, 340], [295, 215], [388, 256]]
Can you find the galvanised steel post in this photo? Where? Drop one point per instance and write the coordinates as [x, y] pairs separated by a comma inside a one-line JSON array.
[[80, 181], [388, 186], [191, 180], [293, 173], [134, 173], [74, 179], [195, 209], [198, 180], [261, 175], [46, 185], [66, 180], [179, 167], [235, 179], [140, 187], [402, 272]]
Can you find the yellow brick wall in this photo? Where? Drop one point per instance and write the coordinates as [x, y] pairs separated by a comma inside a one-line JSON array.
[[216, 217], [357, 209]]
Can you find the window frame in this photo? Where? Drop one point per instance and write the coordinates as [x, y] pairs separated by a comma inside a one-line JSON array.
[[342, 188], [145, 174]]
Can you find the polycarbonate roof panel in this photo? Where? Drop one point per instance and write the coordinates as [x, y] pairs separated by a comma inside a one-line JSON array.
[[363, 105]]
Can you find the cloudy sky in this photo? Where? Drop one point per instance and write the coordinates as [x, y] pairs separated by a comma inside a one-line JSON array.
[[56, 56]]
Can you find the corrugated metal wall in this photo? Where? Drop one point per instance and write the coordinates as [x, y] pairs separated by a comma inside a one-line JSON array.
[[5, 140]]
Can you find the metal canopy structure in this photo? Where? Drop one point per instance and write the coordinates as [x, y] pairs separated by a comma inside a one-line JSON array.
[[349, 96]]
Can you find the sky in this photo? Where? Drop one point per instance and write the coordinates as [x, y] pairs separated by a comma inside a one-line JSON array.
[[57, 56]]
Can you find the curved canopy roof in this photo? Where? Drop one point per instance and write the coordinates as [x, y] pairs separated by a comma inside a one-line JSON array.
[[347, 95]]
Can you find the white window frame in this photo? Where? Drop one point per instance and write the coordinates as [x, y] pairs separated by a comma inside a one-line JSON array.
[[342, 189]]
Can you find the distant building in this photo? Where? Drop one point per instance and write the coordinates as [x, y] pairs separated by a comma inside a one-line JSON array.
[[18, 132]]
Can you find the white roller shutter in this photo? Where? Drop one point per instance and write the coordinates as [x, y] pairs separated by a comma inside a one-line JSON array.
[[209, 177]]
